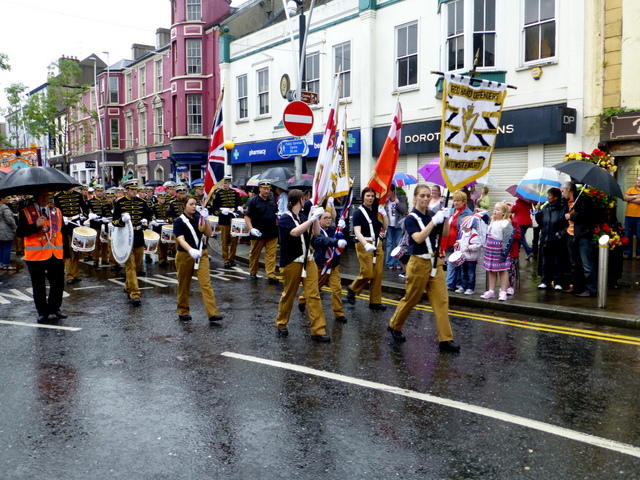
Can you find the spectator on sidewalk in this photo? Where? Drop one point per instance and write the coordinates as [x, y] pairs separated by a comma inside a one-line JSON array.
[[484, 203], [396, 208], [632, 219], [450, 235], [8, 228], [437, 200], [514, 257], [521, 212], [469, 245], [496, 253], [553, 246]]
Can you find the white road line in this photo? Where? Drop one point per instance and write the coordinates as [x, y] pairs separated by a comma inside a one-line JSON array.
[[41, 325], [487, 412], [88, 288]]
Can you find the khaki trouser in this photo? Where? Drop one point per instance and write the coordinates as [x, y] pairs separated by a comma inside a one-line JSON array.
[[419, 280], [185, 271], [370, 273], [163, 248], [291, 277], [131, 271], [228, 243], [72, 264], [335, 284], [101, 252], [270, 245]]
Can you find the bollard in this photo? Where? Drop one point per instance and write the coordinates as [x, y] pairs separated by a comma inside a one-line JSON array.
[[603, 270]]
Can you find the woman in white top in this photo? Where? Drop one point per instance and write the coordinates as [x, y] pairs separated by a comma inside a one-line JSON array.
[[437, 200]]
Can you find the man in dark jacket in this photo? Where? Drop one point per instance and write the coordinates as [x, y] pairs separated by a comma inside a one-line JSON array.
[[553, 224]]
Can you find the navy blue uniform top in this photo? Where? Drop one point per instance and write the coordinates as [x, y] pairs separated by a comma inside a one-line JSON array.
[[320, 244], [263, 215], [412, 226], [360, 220], [290, 246], [179, 228]]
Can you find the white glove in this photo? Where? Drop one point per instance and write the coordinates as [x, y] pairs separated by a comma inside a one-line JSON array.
[[154, 223], [77, 218], [342, 243], [224, 211], [330, 201], [369, 248], [195, 253], [204, 212], [341, 223], [438, 218], [447, 212], [255, 232], [105, 220], [93, 216], [316, 213], [125, 217], [382, 211], [66, 220], [240, 209], [144, 222]]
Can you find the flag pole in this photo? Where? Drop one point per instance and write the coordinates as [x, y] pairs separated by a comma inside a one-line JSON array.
[[206, 199]]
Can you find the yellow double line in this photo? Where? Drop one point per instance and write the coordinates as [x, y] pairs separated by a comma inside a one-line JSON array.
[[542, 327]]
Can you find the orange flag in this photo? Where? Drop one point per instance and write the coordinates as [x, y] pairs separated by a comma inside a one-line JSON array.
[[382, 175]]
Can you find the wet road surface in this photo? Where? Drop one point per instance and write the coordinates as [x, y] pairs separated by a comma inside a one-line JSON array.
[[127, 392]]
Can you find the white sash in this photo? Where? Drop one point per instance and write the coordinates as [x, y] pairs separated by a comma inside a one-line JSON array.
[[372, 232], [427, 241], [186, 221], [302, 258]]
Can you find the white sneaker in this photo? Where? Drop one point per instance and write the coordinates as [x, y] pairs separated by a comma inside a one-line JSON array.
[[510, 291], [543, 286], [558, 287], [503, 296], [460, 290], [488, 294], [468, 291]]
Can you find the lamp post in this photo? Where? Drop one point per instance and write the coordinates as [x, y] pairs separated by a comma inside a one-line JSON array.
[[100, 129], [107, 101]]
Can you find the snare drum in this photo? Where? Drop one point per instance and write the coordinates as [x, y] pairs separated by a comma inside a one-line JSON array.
[[83, 239], [151, 240], [397, 252], [456, 259], [213, 220], [104, 235], [166, 234], [239, 228]]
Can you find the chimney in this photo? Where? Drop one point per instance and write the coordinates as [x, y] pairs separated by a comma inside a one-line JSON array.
[[162, 37], [137, 50]]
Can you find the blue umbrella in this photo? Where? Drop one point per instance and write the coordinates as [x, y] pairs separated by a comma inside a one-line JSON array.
[[404, 179]]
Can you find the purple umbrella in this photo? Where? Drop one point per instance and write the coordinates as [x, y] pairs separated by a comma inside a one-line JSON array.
[[432, 174]]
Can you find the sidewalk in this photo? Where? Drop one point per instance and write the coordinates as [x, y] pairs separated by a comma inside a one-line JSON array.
[[623, 303]]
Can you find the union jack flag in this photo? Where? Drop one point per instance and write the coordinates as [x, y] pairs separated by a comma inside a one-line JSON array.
[[332, 252], [216, 158]]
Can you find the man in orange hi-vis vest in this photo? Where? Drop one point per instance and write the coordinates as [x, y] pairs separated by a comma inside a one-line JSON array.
[[40, 225]]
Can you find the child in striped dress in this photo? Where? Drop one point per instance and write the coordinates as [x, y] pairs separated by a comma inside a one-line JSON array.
[[496, 253]]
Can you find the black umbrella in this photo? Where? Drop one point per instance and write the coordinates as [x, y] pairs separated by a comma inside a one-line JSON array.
[[154, 183], [592, 175], [277, 173], [24, 180], [240, 181], [302, 183], [282, 184]]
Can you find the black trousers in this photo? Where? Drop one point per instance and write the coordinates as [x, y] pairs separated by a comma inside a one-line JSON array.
[[53, 270]]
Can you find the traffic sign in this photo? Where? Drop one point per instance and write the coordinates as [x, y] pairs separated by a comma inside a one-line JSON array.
[[298, 118], [290, 148], [310, 98]]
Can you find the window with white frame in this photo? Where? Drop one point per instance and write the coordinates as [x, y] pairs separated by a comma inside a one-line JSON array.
[[142, 72], [263, 91], [94, 136], [484, 33], [194, 10], [455, 35], [194, 56], [158, 173], [142, 126], [312, 73], [114, 129], [539, 30], [407, 55], [342, 65], [159, 124], [158, 77], [128, 129], [129, 87], [243, 98], [194, 114], [113, 89]]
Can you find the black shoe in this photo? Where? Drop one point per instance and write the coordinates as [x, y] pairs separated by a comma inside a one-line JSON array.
[[227, 265], [71, 281], [43, 318], [253, 277], [96, 265], [232, 263], [215, 318], [351, 296], [148, 260], [184, 318], [301, 307], [449, 346], [60, 315], [341, 319], [321, 338], [377, 306], [397, 335], [163, 264], [283, 332], [273, 281], [136, 302], [113, 269], [141, 273], [105, 263]]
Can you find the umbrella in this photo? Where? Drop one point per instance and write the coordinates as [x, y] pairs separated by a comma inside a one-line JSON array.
[[240, 181], [24, 180], [304, 176], [154, 183], [277, 173], [513, 190], [404, 179], [486, 180], [241, 192], [5, 170], [302, 183], [281, 184], [432, 174], [253, 181], [160, 189], [535, 183], [589, 174]]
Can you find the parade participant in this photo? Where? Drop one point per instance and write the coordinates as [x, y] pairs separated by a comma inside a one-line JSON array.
[[110, 195], [134, 209], [84, 191], [177, 205], [424, 272], [396, 208], [632, 219], [496, 253], [369, 250], [198, 188], [146, 193], [40, 224], [119, 191], [331, 277], [192, 236], [297, 265], [99, 213], [7, 233], [226, 205], [260, 215], [74, 209], [161, 216]]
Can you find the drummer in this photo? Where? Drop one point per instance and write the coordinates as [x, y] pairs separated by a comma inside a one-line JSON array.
[[74, 209], [110, 195], [99, 216], [130, 207], [161, 216], [227, 205]]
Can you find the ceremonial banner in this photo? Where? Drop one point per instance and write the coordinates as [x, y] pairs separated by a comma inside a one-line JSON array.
[[385, 168], [322, 176], [216, 158], [340, 182], [471, 110]]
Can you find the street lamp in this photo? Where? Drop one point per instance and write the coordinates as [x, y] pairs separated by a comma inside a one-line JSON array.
[[107, 101], [100, 129]]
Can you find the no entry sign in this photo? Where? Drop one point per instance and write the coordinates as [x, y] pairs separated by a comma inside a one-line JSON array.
[[298, 119]]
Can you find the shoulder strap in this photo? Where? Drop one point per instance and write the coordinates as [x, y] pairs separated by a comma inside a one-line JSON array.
[[427, 240], [372, 232], [186, 221]]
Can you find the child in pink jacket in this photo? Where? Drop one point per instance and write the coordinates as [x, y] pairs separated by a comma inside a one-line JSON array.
[[469, 243]]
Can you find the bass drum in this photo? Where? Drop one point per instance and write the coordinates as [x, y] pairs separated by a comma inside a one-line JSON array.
[[122, 242]]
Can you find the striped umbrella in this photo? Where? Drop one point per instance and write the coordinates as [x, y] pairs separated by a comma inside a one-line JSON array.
[[537, 181], [404, 179]]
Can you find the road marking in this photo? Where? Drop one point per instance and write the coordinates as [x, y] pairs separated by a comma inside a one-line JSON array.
[[41, 325], [89, 288], [600, 442]]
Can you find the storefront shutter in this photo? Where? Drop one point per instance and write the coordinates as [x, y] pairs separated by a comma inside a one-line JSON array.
[[554, 154]]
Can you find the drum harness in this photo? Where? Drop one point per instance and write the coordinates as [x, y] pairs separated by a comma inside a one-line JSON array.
[[186, 221], [373, 239], [305, 248], [427, 241]]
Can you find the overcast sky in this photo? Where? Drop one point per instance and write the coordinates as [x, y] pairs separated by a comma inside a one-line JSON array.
[[36, 33]]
